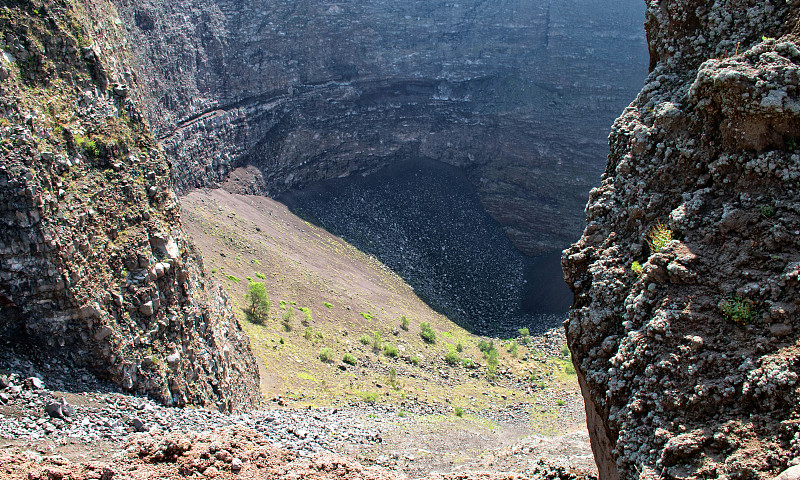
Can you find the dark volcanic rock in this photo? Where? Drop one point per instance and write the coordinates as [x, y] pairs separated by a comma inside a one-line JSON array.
[[424, 220], [517, 93], [690, 362]]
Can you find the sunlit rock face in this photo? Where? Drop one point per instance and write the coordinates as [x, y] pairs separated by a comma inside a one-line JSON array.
[[519, 94]]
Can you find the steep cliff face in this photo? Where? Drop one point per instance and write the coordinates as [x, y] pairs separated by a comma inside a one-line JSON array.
[[689, 360], [510, 91], [94, 264]]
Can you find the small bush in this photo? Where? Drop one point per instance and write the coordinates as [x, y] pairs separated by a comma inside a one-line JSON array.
[[459, 412], [525, 335], [565, 351], [767, 211], [569, 368], [451, 357], [404, 322], [364, 339], [637, 268], [309, 333], [368, 397], [512, 349], [459, 347], [328, 304], [427, 333], [738, 309], [467, 362], [486, 346], [307, 319], [349, 359], [415, 360], [258, 311], [233, 278], [326, 355], [389, 350], [261, 276], [377, 341], [659, 237], [286, 318]]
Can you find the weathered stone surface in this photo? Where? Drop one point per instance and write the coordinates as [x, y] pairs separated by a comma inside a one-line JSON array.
[[519, 94], [85, 221], [690, 371]]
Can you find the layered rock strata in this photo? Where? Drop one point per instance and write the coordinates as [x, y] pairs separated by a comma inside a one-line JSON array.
[[689, 358], [94, 264], [517, 93]]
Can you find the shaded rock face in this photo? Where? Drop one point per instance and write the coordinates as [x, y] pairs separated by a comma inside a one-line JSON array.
[[94, 265], [517, 93], [690, 364]]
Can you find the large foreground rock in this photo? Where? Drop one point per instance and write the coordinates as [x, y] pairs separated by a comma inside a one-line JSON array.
[[690, 366]]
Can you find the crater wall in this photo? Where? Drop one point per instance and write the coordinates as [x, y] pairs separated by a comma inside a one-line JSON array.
[[688, 358]]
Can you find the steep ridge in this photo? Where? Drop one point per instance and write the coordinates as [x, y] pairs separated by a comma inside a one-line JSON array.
[[512, 92], [95, 268], [688, 358]]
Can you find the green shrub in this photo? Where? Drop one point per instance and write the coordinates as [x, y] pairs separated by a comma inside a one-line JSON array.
[[349, 359], [564, 351], [486, 346], [569, 368], [767, 211], [404, 322], [637, 268], [286, 318], [512, 349], [258, 311], [377, 341], [309, 333], [328, 304], [368, 397], [659, 237], [326, 355], [389, 350], [261, 276], [459, 347], [364, 339], [415, 360], [427, 333], [233, 278], [451, 357], [467, 362], [306, 315], [525, 335], [738, 309], [459, 412]]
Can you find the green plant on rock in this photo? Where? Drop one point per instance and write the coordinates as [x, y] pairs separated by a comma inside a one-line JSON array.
[[767, 211], [637, 268], [258, 310], [659, 237], [738, 309]]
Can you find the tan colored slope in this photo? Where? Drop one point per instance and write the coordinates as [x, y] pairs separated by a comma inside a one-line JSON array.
[[250, 236]]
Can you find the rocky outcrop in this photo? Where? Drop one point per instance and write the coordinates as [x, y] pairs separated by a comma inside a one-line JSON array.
[[513, 92], [687, 344], [94, 264]]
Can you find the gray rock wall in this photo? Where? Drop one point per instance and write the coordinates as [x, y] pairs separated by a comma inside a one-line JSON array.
[[94, 264], [689, 358], [519, 93]]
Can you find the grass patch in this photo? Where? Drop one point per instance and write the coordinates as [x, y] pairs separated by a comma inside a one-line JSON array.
[[306, 376], [738, 309], [659, 237]]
